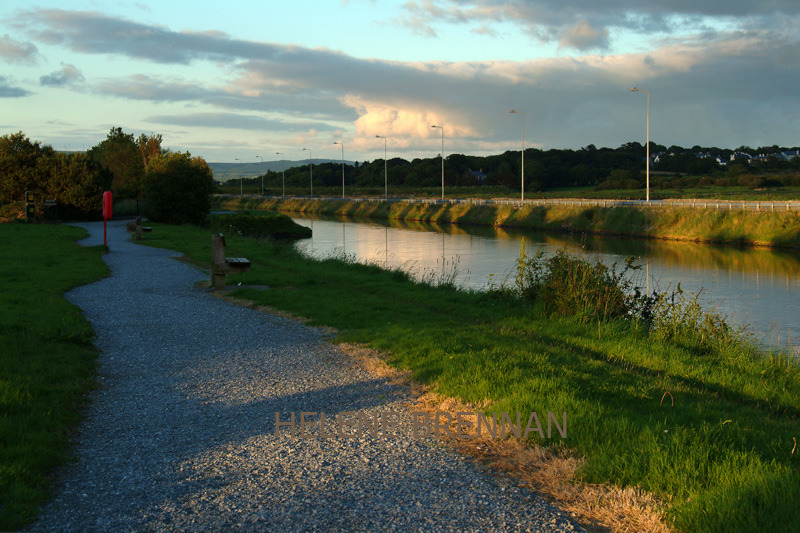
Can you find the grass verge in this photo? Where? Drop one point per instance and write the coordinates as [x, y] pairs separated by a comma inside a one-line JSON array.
[[709, 429], [763, 228], [47, 359]]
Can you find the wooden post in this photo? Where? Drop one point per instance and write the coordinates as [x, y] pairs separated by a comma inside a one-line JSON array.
[[218, 266]]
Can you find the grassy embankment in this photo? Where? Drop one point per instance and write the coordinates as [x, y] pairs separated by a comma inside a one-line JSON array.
[[709, 426], [779, 228], [47, 359], [492, 191]]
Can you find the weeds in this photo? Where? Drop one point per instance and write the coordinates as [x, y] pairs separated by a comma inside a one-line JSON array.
[[591, 291], [572, 286]]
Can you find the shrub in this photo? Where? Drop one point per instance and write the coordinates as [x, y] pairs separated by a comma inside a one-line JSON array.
[[570, 285], [273, 225]]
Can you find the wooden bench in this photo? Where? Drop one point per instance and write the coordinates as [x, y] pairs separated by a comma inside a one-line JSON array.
[[136, 227], [221, 266], [237, 265]]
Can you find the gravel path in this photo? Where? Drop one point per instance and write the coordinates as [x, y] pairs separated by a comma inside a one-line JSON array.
[[181, 433]]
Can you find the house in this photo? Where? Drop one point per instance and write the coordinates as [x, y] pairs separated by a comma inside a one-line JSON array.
[[479, 175]]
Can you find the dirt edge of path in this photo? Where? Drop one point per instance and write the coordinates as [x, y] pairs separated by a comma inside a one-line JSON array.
[[551, 474]]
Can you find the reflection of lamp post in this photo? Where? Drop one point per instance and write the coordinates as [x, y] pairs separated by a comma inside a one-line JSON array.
[[523, 151], [648, 139], [342, 145], [241, 187], [262, 175], [441, 128], [310, 171], [385, 171], [283, 194]]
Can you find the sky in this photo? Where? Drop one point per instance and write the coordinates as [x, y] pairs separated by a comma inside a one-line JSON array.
[[245, 80]]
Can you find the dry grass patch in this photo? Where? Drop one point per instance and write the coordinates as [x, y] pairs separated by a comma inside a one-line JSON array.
[[550, 474]]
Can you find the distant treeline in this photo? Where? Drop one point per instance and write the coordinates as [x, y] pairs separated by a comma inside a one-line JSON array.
[[604, 168]]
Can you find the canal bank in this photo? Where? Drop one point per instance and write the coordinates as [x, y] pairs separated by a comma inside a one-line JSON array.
[[755, 287], [709, 222], [704, 423]]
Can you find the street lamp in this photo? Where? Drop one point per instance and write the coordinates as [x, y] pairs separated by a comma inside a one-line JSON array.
[[241, 187], [342, 145], [262, 176], [648, 139], [385, 171], [441, 128], [310, 170], [523, 151], [283, 161]]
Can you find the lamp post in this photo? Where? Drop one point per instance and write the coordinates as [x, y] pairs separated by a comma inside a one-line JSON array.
[[262, 175], [523, 151], [441, 128], [648, 139], [283, 193], [241, 187], [342, 145], [385, 169], [310, 170]]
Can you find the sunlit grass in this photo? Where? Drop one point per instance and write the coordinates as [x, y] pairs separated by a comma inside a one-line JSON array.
[[778, 228], [709, 428]]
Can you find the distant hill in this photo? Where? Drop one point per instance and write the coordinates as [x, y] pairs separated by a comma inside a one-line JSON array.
[[228, 171]]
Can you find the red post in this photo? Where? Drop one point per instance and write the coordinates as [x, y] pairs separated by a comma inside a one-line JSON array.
[[108, 204]]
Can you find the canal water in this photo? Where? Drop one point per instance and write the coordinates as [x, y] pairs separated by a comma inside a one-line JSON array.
[[758, 287]]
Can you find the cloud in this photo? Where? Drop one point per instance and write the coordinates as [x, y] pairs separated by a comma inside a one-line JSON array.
[[96, 33], [7, 90], [20, 52], [585, 24], [234, 121], [582, 36], [568, 101], [69, 75]]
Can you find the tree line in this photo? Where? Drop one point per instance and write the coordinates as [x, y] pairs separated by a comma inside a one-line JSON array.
[[175, 185], [602, 168]]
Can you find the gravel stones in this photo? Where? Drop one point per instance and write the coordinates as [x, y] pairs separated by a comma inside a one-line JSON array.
[[181, 433]]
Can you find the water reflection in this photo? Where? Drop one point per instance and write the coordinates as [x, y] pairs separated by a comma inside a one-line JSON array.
[[760, 287]]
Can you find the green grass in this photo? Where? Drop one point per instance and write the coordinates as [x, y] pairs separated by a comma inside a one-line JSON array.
[[47, 359], [719, 445]]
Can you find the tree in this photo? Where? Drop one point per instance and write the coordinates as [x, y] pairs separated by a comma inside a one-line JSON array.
[[21, 167], [178, 188], [77, 183], [120, 154], [74, 181], [149, 146]]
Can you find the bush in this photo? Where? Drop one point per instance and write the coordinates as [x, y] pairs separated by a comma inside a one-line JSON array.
[[268, 225], [178, 189], [569, 285]]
